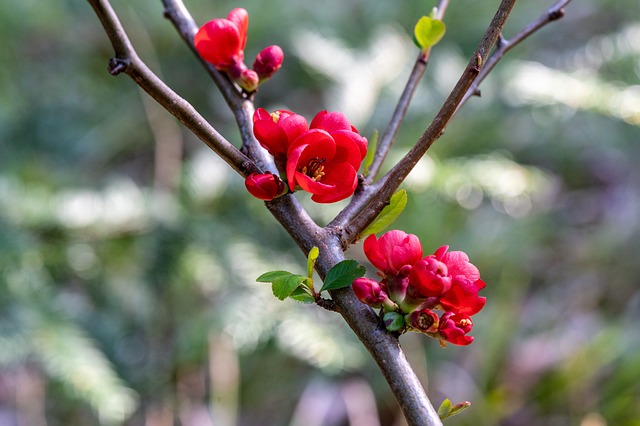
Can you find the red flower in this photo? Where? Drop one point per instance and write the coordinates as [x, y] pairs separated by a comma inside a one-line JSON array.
[[221, 41], [369, 291], [277, 130], [462, 297], [325, 159], [265, 186], [454, 328], [268, 62], [393, 252], [430, 277]]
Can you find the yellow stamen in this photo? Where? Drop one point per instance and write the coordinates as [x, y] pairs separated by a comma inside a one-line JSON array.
[[275, 116]]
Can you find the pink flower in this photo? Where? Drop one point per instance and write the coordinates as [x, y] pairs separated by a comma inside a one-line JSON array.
[[369, 292], [221, 41], [276, 131], [265, 186], [454, 328], [393, 252], [268, 61], [325, 159]]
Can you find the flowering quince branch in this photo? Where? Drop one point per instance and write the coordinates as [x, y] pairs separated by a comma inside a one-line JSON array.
[[241, 105], [323, 158], [400, 111], [503, 46], [126, 60]]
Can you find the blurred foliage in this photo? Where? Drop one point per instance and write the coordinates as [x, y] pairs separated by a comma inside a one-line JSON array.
[[128, 252]]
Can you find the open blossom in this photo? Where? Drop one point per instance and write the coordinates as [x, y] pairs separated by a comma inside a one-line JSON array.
[[462, 297], [325, 159], [265, 186], [454, 328], [276, 131], [393, 251], [221, 41]]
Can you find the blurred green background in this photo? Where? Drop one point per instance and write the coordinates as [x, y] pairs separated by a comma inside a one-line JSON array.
[[129, 252]]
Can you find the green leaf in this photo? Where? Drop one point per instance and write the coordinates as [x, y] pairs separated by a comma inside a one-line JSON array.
[[301, 295], [428, 32], [459, 408], [448, 410], [269, 277], [393, 321], [444, 410], [311, 260], [342, 275], [371, 150], [285, 285], [388, 215]]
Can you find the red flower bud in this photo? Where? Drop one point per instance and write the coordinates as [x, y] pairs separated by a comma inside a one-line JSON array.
[[221, 41], [265, 186], [268, 62], [393, 251], [430, 277], [369, 291]]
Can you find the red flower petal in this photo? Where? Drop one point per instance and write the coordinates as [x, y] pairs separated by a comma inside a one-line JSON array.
[[218, 42], [240, 18]]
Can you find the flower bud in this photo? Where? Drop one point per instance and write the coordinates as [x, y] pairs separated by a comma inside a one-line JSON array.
[[268, 62], [265, 186], [369, 292], [424, 320]]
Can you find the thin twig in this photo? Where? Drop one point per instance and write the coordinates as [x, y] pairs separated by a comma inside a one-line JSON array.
[[126, 60], [389, 135], [503, 46], [360, 198], [241, 106], [379, 193]]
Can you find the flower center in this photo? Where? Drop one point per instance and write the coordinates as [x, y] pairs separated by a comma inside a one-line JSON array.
[[314, 168], [465, 322], [275, 116]]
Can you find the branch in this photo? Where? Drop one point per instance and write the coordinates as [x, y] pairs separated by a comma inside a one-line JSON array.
[[242, 107], [379, 193], [503, 46], [126, 60], [389, 136]]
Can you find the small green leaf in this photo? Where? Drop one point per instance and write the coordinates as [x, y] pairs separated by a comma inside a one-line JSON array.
[[459, 408], [393, 321], [285, 285], [447, 410], [428, 32], [301, 295], [268, 277], [342, 275], [371, 150], [388, 215], [311, 260], [444, 410]]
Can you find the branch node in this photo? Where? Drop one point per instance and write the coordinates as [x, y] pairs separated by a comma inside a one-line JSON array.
[[327, 304], [118, 65], [556, 14]]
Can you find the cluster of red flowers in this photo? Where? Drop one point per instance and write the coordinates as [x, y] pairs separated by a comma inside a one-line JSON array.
[[413, 286], [221, 42], [322, 158]]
